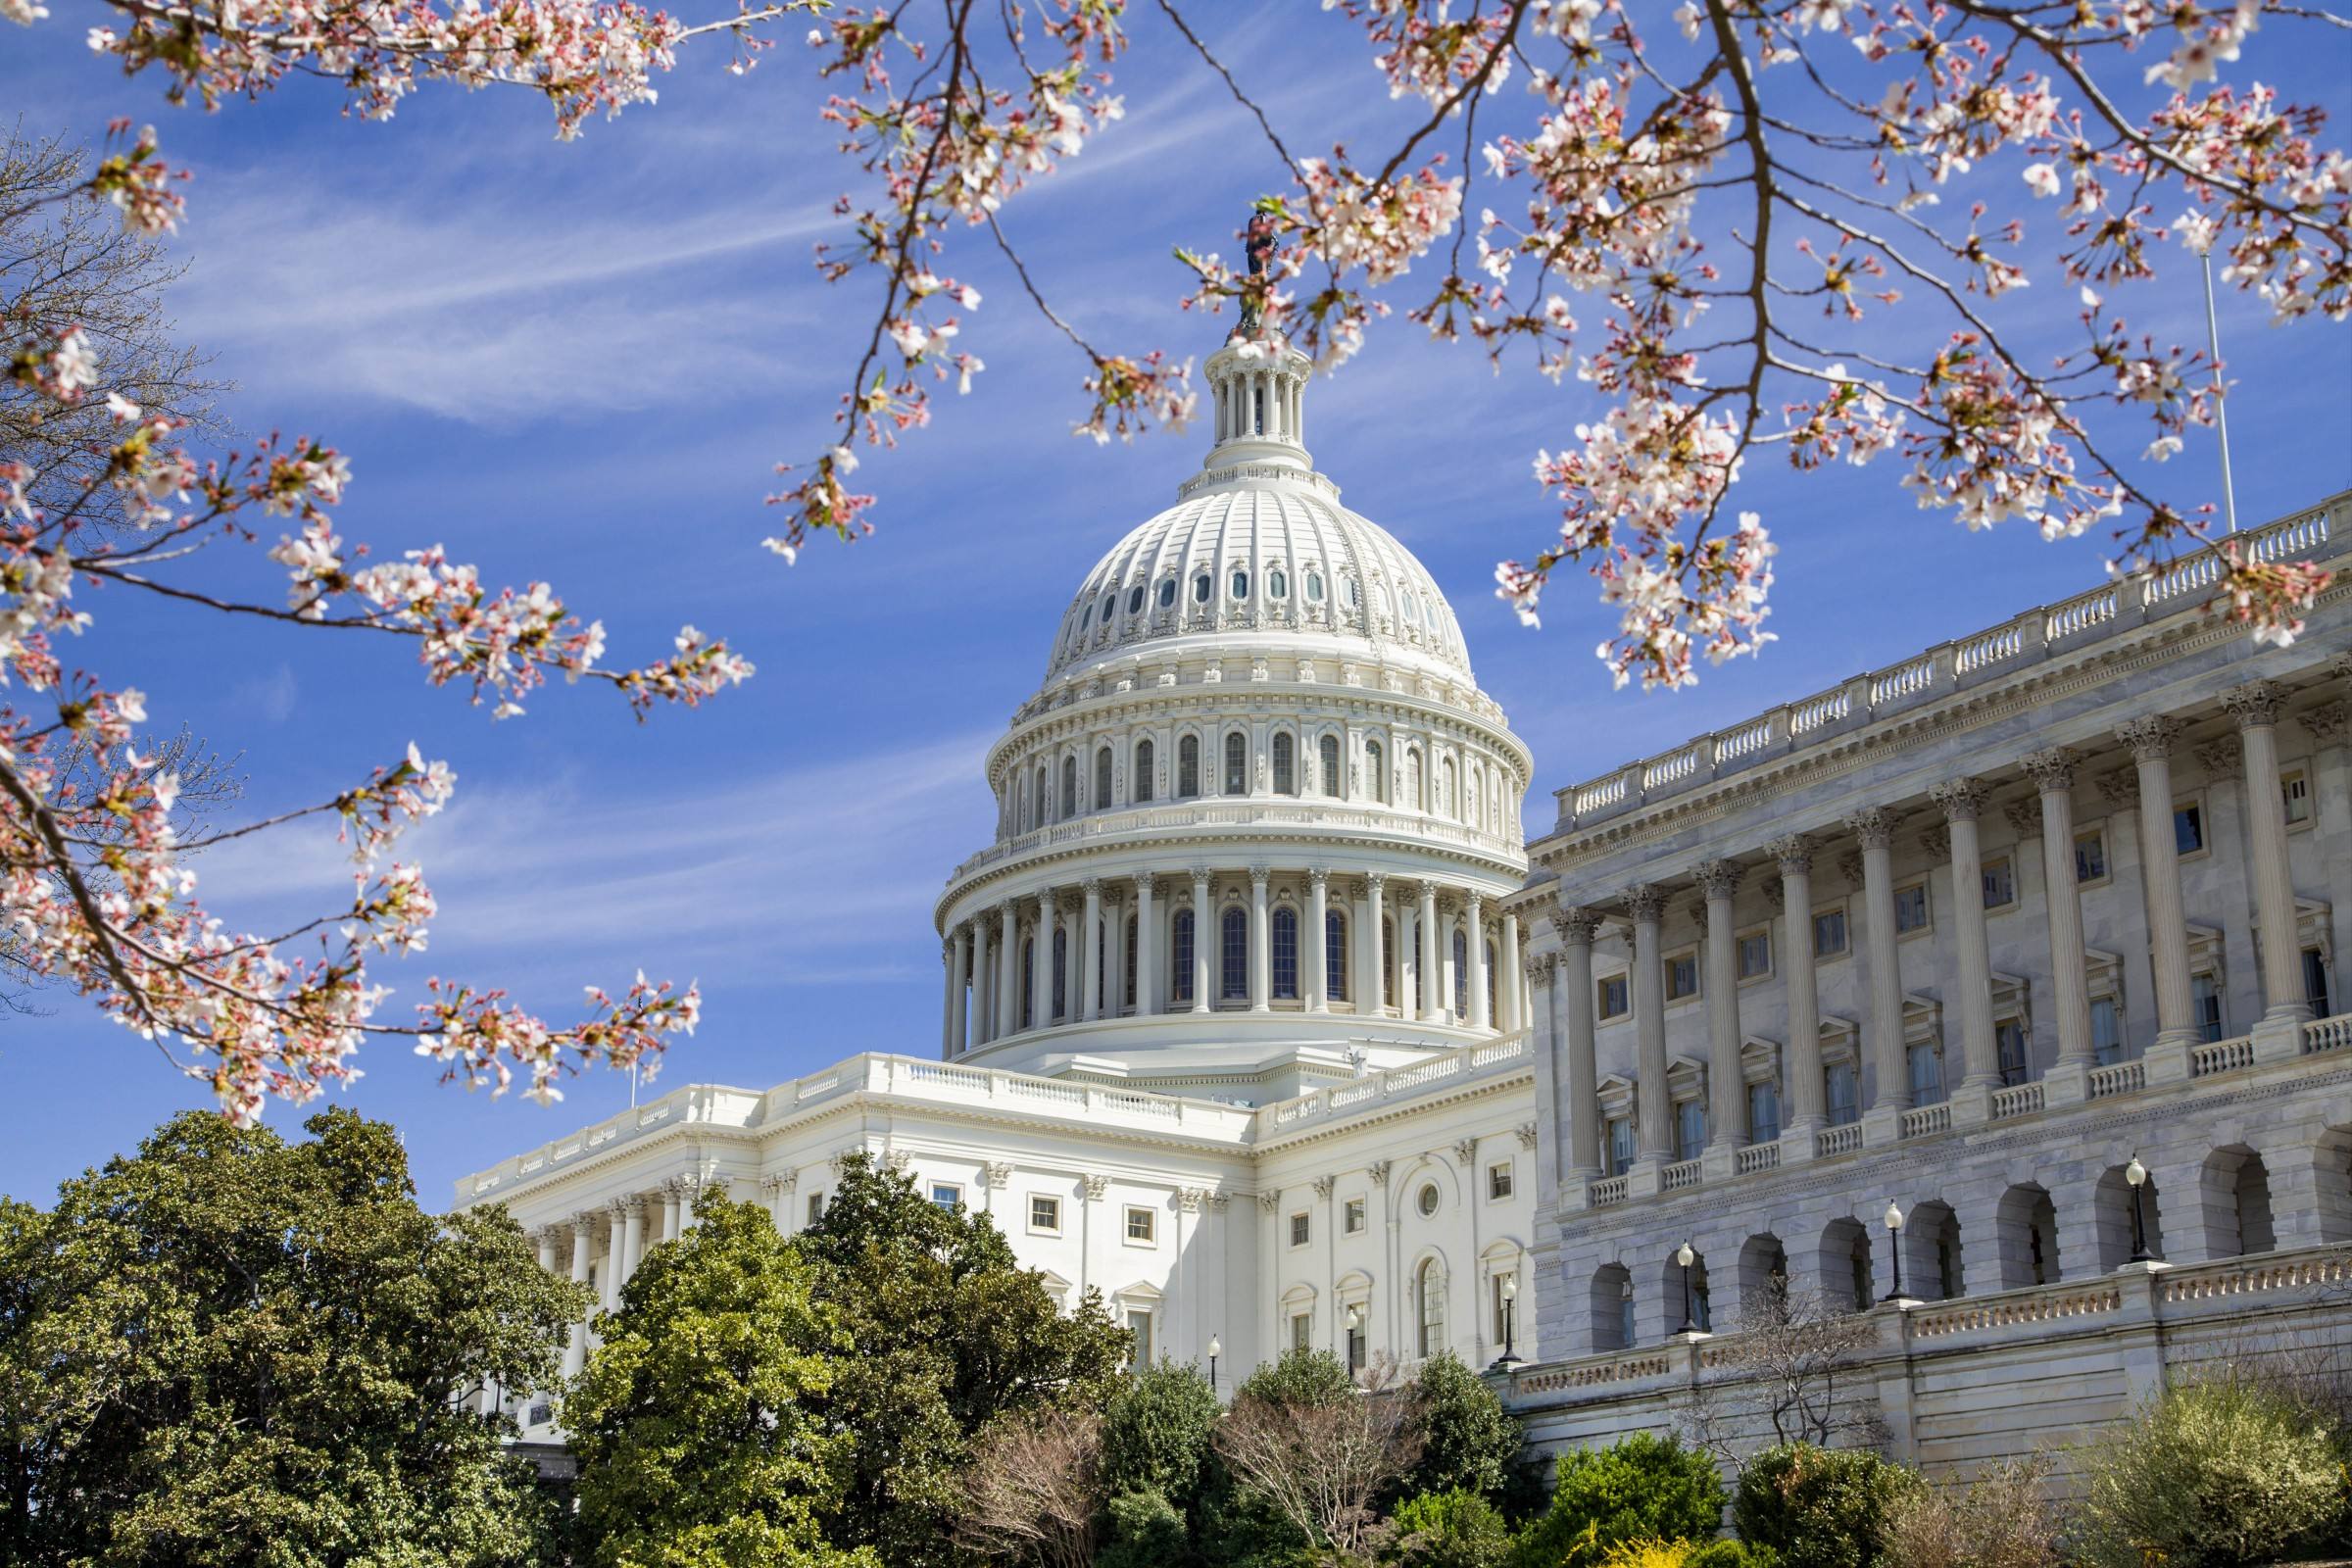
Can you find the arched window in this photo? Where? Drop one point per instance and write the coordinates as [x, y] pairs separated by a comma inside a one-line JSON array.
[[1237, 763], [1233, 980], [1029, 983], [1493, 1006], [1102, 801], [1167, 593], [1412, 606], [1445, 787], [1061, 973], [1110, 606], [1278, 585], [1141, 790], [1376, 773], [1314, 587], [1200, 589], [1461, 977], [1327, 757], [1134, 599], [1042, 797], [1412, 779], [1187, 767], [1070, 788], [1286, 767], [1286, 953], [1127, 979], [1387, 961], [1239, 585], [1180, 954], [1335, 955], [1429, 1296], [1085, 616]]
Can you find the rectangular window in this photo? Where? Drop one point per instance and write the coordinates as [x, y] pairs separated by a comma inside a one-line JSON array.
[[1286, 955], [1303, 1228], [1302, 1331], [1620, 1145], [1682, 976], [2106, 1031], [1352, 1216], [2315, 981], [815, 1207], [1910, 909], [2009, 1044], [1233, 979], [2090, 856], [2000, 884], [1841, 1093], [1610, 997], [1045, 1214], [1237, 764], [2295, 789], [1142, 1225], [1139, 1333], [1763, 1112], [946, 1195], [1498, 1179], [1927, 1075], [1829, 932], [1180, 979], [2205, 1006], [2189, 827], [1755, 954], [1689, 1128]]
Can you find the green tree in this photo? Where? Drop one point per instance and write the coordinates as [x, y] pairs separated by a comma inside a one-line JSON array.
[[1457, 1529], [1640, 1488], [230, 1350], [1156, 1433], [1468, 1440], [694, 1421], [1820, 1507], [943, 1331]]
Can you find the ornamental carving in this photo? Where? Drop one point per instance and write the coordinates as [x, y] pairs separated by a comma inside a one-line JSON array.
[[1849, 866], [1937, 841], [1793, 853], [1575, 923], [2025, 816], [2254, 702], [2119, 787], [1645, 902], [1776, 892], [1268, 1203], [1465, 1152], [2329, 721], [779, 1182], [2221, 757], [1095, 1187], [1379, 1171], [2052, 770], [1323, 1186], [1000, 1173], [2151, 739], [1716, 879], [1538, 968], [1526, 1131], [1961, 798], [1874, 825]]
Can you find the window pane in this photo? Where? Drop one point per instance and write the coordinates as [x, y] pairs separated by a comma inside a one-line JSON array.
[[1234, 981], [2296, 791], [1763, 1113], [1926, 1076], [1188, 767], [1335, 955], [2000, 885], [2106, 1032], [2315, 982], [1142, 791], [1842, 1094], [1286, 953], [1911, 908], [2010, 1040], [2207, 999], [1689, 1129], [1302, 1227], [1829, 933], [2189, 828], [1755, 955], [1284, 766], [1328, 755], [2090, 857], [1180, 985], [1237, 763]]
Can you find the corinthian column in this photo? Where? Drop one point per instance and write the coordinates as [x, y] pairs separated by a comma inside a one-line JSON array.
[[2254, 707], [1202, 938], [1806, 1110], [1372, 989], [950, 1025], [1147, 948], [1474, 917], [576, 1350], [1654, 1128], [1961, 800], [2151, 742], [1041, 962], [1891, 1091], [1726, 1116], [2053, 774], [1090, 922], [1514, 1012], [1314, 948], [1573, 988], [1433, 982], [1261, 953], [1008, 952]]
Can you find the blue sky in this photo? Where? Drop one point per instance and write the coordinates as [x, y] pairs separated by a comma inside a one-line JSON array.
[[579, 362]]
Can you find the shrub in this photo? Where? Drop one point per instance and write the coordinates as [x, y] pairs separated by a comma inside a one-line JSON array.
[[1819, 1507], [1640, 1488], [1145, 1532], [1456, 1529], [2212, 1473], [1156, 1434], [1468, 1441], [1687, 1555], [2000, 1521]]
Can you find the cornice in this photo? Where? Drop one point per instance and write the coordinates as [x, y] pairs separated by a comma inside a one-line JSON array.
[[1321, 1132]]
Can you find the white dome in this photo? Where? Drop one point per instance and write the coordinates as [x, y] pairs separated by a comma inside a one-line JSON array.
[[1274, 556]]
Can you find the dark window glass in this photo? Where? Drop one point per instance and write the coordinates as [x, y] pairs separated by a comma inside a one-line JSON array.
[[1134, 599], [1029, 983], [1237, 763], [1829, 933], [1286, 953], [1335, 955], [1461, 977], [1327, 754], [1234, 981], [1069, 787], [2315, 982], [1061, 973], [1127, 984], [2090, 857], [1167, 593], [2189, 828], [1200, 589], [1102, 779], [1180, 947], [1143, 771], [1187, 767], [1285, 765]]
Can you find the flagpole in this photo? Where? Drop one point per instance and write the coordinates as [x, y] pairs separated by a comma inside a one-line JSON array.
[[2221, 413]]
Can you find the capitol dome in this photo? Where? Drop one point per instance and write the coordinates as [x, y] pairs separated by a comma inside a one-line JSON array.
[[1258, 784]]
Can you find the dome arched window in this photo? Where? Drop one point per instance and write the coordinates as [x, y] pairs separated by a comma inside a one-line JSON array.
[[1039, 797], [1167, 593], [1410, 799], [1350, 594], [1286, 768], [1110, 606], [1445, 787], [1187, 767], [1237, 763], [1200, 589], [1493, 1002], [1029, 983], [1061, 974], [1314, 587], [1429, 1296], [1286, 953], [1141, 790], [1101, 800], [1412, 606], [1127, 949], [1278, 585], [1335, 955], [1461, 977], [1134, 599], [1239, 585], [1180, 956], [1086, 616], [1376, 773], [1070, 788], [1233, 977], [1327, 757]]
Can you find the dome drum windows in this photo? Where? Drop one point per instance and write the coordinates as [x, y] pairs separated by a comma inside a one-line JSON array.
[[1134, 599], [1239, 585], [1101, 800], [1237, 763], [1327, 757], [1286, 953], [1278, 584], [1070, 788], [1314, 587], [1286, 767], [1167, 592], [1141, 790], [1233, 970], [1201, 587], [1187, 767]]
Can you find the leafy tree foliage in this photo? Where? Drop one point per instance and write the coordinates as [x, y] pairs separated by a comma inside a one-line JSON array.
[[229, 1350], [1468, 1440], [692, 1420], [1457, 1529], [943, 1333], [1640, 1488], [1156, 1434], [1820, 1507], [1145, 1532]]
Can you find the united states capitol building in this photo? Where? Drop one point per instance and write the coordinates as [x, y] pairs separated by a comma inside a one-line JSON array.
[[1265, 1017]]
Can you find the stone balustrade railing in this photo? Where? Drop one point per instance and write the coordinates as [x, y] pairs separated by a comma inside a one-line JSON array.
[[2321, 533], [1504, 1056]]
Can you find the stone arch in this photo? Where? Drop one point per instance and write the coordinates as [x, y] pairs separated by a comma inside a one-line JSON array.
[[2233, 1191], [1694, 1310], [1845, 1264], [1932, 1262], [1612, 1306], [2331, 1161], [2026, 1237], [2112, 1217], [1762, 1276], [1430, 1331]]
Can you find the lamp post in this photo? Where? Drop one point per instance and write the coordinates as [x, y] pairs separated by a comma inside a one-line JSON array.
[[2136, 1176], [1215, 1349], [1684, 1258], [1356, 1324], [1895, 1244], [1510, 1286]]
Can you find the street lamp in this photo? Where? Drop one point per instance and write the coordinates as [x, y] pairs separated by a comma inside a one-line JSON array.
[[1510, 1286], [1215, 1349], [1684, 1258], [2136, 1175], [1356, 1324], [1895, 1244]]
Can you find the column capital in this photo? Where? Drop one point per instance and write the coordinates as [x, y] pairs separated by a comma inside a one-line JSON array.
[[2051, 769], [2119, 787], [1376, 880], [2254, 702], [946, 953], [1874, 825], [2329, 721], [1000, 1174], [1318, 877], [1323, 1186], [1268, 1203], [1473, 900], [1793, 853], [1716, 879], [1577, 923], [1091, 887], [1258, 877], [1538, 967], [783, 1181], [1378, 1171], [583, 1222], [2026, 816], [2151, 738], [1961, 798], [1095, 1187], [1645, 900]]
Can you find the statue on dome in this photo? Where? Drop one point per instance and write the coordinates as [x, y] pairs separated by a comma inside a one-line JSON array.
[[1257, 243]]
